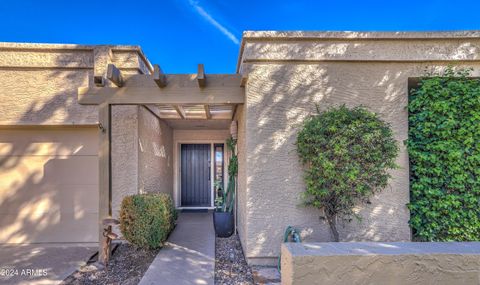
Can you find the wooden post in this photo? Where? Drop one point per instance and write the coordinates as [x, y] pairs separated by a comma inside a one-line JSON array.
[[105, 193], [108, 237]]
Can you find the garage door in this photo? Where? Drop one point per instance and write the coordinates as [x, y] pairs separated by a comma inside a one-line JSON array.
[[48, 185]]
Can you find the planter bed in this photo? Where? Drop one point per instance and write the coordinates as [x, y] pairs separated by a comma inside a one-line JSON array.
[[127, 266], [230, 264]]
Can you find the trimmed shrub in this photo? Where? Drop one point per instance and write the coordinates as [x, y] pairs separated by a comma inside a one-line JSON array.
[[444, 152], [146, 220], [347, 154]]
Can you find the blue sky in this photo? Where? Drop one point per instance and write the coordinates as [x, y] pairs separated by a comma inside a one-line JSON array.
[[179, 34]]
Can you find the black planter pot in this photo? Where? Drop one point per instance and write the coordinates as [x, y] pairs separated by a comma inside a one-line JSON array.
[[223, 223]]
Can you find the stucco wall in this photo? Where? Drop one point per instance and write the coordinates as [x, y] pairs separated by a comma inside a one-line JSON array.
[[39, 82], [381, 263], [241, 181], [286, 78], [125, 153], [142, 154], [155, 154], [200, 135]]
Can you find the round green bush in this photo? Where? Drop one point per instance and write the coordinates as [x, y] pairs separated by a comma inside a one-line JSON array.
[[146, 220], [444, 151], [347, 154]]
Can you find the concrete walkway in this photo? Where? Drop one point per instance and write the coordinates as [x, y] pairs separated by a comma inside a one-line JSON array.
[[189, 255]]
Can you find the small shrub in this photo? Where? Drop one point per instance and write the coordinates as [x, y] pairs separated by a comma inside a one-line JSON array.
[[146, 220], [444, 151], [347, 154]]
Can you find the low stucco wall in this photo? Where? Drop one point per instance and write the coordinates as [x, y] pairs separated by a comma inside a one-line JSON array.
[[380, 263], [289, 74]]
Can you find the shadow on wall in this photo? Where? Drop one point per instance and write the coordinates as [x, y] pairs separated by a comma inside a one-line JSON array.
[[280, 97], [48, 175]]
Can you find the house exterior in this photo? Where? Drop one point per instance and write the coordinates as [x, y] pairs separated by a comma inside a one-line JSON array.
[[66, 162]]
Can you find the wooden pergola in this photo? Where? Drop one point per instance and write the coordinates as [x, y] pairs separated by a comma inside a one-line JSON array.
[[178, 96]]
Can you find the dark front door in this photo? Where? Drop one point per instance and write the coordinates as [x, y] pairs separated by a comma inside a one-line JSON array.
[[195, 175]]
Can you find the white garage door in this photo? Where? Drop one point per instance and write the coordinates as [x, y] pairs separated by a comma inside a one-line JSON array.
[[48, 185]]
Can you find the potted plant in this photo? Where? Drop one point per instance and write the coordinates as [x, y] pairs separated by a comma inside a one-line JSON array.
[[223, 217]]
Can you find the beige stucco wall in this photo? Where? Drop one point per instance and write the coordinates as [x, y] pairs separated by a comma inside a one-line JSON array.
[[142, 153], [381, 263], [200, 135], [155, 154], [241, 181], [287, 75], [125, 153], [39, 82]]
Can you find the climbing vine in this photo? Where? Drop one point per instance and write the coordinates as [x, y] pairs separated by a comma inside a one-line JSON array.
[[444, 152]]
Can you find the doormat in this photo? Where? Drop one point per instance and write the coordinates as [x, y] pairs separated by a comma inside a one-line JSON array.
[[194, 210]]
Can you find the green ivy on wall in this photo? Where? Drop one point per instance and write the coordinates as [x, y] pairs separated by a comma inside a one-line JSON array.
[[444, 152]]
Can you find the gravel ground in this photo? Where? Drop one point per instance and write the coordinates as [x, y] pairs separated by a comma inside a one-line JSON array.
[[127, 266], [230, 264]]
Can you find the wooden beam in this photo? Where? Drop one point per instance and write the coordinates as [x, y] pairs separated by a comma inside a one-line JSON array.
[[158, 76], [149, 109], [104, 185], [181, 89], [234, 111], [180, 111], [115, 75], [146, 96], [208, 115], [244, 80], [202, 81]]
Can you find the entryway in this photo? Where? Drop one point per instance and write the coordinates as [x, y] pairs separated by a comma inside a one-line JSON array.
[[195, 175], [201, 166]]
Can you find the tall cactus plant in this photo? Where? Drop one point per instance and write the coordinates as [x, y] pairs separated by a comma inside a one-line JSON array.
[[228, 198]]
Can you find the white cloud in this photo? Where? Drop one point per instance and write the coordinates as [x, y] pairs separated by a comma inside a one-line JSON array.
[[213, 22]]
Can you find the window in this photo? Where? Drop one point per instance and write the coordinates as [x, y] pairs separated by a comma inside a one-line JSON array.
[[218, 169]]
